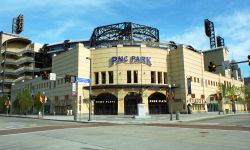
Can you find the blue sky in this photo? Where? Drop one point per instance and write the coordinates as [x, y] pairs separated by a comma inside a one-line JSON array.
[[50, 21]]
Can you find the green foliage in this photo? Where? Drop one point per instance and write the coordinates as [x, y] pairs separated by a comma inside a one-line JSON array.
[[228, 93], [23, 101], [37, 103], [246, 90]]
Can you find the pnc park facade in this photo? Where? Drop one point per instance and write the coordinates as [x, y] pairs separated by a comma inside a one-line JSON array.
[[127, 64]]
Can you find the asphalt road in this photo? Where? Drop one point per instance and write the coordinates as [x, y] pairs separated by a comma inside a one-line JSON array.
[[85, 136]]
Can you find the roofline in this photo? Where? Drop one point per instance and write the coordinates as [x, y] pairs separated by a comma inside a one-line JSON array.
[[11, 34], [24, 40], [70, 41]]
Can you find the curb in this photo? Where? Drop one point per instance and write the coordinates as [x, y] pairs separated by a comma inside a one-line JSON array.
[[132, 122], [212, 117]]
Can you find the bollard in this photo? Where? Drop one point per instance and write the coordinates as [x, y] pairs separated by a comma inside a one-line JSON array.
[[177, 115], [171, 116], [76, 117]]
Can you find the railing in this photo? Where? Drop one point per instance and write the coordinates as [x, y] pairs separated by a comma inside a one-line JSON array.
[[19, 61], [105, 44], [17, 53], [16, 80], [21, 70]]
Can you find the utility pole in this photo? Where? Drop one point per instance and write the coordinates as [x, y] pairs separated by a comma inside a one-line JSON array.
[[90, 87]]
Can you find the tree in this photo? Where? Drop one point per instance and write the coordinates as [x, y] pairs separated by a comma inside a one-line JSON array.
[[25, 101], [16, 103], [2, 104], [37, 103], [230, 94]]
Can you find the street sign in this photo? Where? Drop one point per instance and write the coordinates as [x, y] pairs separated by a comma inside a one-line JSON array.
[[52, 76], [74, 92], [84, 80]]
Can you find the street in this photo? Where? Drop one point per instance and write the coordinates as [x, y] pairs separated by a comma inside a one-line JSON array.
[[94, 136]]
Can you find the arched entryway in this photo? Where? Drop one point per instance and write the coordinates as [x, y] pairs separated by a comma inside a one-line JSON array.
[[157, 103], [130, 103], [106, 104]]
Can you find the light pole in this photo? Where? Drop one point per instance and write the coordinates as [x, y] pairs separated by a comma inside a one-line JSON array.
[[90, 88], [43, 100], [170, 100]]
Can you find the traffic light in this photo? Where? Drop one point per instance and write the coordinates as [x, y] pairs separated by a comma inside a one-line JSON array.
[[45, 75], [248, 60], [67, 78], [212, 67]]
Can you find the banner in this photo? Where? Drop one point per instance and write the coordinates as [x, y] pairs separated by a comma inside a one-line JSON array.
[[74, 92], [189, 86]]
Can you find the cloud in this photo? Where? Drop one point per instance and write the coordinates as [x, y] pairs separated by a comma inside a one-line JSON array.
[[234, 28], [56, 33], [193, 37]]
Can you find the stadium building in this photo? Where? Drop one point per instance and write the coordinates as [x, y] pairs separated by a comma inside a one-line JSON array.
[[128, 65]]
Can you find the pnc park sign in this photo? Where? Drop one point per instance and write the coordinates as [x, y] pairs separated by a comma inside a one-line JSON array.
[[131, 60]]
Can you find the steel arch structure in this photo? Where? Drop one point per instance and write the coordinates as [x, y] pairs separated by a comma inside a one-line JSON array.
[[118, 33]]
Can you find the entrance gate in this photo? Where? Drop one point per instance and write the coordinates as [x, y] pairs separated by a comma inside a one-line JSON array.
[[157, 103], [130, 103], [106, 104]]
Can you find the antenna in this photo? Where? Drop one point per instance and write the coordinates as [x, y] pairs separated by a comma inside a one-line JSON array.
[[209, 30]]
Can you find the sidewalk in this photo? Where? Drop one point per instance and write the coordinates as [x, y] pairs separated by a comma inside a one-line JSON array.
[[128, 119]]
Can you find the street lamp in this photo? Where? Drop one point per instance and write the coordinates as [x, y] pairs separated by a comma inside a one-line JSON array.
[[170, 100], [90, 88], [43, 100]]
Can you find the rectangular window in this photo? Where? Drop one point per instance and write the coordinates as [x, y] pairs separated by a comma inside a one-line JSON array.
[[96, 78], [165, 78], [128, 76], [103, 77], [198, 80], [56, 98], [194, 79], [54, 84], [159, 77], [152, 76], [135, 76], [111, 77]]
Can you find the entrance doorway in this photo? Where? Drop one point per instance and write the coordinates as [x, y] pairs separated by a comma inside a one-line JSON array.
[[212, 107], [157, 103], [106, 104], [130, 103]]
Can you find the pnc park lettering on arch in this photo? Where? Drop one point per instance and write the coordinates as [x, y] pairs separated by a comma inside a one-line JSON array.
[[131, 59]]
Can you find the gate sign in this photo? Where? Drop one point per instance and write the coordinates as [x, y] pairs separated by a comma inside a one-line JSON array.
[[131, 59]]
